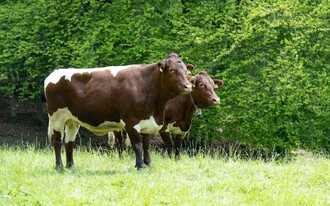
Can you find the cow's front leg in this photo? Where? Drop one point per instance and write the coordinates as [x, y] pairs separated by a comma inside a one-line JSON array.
[[166, 136], [57, 143], [136, 140], [177, 145], [146, 145]]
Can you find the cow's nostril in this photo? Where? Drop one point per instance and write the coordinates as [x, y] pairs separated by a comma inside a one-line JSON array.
[[187, 88], [216, 100]]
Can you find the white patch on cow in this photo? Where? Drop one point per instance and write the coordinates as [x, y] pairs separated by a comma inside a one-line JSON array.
[[148, 126], [105, 127], [111, 139], [56, 75], [115, 69], [63, 121], [175, 130], [71, 130]]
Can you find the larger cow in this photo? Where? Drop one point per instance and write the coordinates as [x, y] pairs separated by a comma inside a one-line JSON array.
[[111, 99], [179, 112]]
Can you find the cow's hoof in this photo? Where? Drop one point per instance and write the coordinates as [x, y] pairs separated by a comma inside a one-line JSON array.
[[141, 166], [148, 163], [70, 166], [59, 168]]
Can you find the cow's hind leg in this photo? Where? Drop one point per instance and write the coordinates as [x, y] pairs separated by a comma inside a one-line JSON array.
[[146, 146], [71, 131], [55, 137], [119, 142], [57, 143]]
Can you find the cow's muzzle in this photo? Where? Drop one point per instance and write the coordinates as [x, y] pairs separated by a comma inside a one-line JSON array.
[[186, 89], [216, 101]]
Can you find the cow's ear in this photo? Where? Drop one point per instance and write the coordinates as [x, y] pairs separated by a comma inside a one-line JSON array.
[[190, 67], [193, 81], [161, 66], [218, 83]]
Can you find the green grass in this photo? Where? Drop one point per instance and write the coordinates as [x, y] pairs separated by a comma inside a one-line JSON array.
[[27, 177]]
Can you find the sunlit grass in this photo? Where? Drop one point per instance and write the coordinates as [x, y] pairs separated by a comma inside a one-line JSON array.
[[28, 177]]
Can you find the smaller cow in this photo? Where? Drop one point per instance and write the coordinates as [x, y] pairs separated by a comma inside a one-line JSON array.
[[178, 114], [179, 111]]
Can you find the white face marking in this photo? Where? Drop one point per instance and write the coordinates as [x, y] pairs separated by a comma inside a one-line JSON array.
[[63, 121], [56, 75], [148, 126]]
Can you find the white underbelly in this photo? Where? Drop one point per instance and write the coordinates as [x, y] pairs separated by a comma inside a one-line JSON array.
[[61, 116], [148, 126], [175, 130]]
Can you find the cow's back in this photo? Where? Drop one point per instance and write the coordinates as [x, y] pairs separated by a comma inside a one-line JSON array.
[[92, 96]]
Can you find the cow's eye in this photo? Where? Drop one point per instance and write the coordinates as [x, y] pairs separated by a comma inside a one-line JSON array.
[[201, 85], [172, 70]]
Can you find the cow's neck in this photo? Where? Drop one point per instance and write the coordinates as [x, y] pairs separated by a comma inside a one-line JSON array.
[[166, 94], [190, 106], [183, 104], [163, 95]]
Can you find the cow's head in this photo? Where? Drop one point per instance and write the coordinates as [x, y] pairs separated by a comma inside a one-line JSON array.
[[175, 74], [203, 90]]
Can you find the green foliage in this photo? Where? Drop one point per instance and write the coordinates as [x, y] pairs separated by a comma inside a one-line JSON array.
[[275, 69], [272, 55]]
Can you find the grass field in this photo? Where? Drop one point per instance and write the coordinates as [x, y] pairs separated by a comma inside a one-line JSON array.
[[27, 177]]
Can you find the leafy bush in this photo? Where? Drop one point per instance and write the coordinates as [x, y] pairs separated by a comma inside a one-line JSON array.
[[272, 55], [276, 91]]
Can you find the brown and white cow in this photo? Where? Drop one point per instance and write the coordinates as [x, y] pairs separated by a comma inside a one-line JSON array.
[[179, 112], [109, 99]]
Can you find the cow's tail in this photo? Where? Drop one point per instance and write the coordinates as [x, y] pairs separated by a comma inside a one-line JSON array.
[[50, 133]]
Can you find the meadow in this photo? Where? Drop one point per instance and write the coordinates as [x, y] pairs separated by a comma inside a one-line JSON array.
[[28, 177]]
